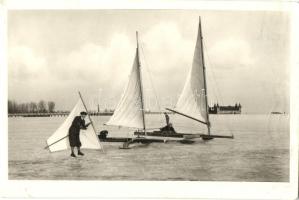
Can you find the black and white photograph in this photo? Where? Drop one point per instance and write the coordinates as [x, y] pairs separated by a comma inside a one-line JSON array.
[[149, 95]]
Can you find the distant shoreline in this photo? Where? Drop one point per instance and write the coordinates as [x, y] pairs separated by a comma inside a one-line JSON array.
[[64, 114]]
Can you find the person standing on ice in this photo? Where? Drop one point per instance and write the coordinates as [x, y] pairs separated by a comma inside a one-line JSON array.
[[167, 119], [74, 133]]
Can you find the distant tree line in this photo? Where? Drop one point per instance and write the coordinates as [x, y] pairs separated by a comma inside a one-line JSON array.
[[32, 107]]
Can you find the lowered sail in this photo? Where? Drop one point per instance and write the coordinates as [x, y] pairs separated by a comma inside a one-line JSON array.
[[128, 112], [192, 100], [60, 137]]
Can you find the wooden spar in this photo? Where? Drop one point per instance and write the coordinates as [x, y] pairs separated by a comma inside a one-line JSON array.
[[141, 86], [91, 121], [56, 142], [186, 115], [204, 136], [204, 78]]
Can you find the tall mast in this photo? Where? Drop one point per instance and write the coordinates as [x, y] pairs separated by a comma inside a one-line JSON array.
[[94, 130], [141, 86], [204, 78]]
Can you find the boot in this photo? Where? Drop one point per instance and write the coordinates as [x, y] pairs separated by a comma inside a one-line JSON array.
[[73, 155], [80, 153]]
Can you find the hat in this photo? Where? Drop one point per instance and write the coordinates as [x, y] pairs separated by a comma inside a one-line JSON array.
[[83, 113]]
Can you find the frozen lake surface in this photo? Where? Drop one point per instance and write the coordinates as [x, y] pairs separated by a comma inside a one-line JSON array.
[[259, 152]]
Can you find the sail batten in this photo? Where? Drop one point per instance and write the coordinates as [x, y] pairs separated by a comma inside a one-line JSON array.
[[193, 100]]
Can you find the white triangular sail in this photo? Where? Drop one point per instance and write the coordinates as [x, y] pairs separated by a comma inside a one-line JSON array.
[[128, 112], [88, 137], [192, 100]]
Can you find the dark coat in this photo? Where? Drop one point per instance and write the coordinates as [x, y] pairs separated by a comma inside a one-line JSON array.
[[74, 131], [167, 119]]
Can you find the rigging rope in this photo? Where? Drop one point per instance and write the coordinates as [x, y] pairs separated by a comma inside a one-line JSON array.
[[213, 74], [150, 77], [157, 99], [216, 84]]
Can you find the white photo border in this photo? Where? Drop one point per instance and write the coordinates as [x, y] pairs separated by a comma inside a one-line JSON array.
[[158, 189]]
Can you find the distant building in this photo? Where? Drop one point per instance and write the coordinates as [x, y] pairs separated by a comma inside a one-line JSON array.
[[216, 109]]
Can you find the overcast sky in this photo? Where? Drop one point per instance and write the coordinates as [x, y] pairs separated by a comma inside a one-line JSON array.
[[53, 54]]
